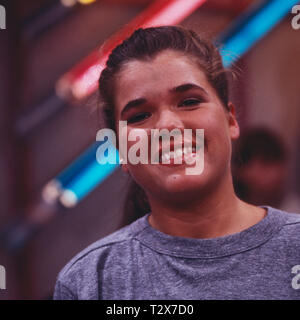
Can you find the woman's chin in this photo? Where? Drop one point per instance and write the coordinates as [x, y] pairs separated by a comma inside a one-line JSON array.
[[176, 184]]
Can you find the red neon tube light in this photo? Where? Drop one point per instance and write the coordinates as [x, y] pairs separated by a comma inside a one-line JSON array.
[[82, 80]]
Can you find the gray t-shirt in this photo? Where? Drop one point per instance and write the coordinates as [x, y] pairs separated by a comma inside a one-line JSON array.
[[140, 262]]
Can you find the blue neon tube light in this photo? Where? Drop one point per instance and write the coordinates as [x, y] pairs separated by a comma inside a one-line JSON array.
[[252, 26]]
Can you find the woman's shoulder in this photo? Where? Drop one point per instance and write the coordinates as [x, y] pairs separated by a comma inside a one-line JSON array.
[[288, 231], [291, 217], [292, 221], [89, 258]]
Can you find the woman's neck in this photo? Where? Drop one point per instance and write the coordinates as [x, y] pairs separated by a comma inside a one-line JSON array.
[[218, 214]]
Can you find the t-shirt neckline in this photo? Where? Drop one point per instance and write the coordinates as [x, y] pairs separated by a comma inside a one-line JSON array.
[[247, 239]]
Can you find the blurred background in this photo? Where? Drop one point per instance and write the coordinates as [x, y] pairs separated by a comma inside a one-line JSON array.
[[54, 201]]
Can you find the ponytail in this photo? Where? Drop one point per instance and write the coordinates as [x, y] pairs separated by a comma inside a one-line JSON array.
[[136, 203]]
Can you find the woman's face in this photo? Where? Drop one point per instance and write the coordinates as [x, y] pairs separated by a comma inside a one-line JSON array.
[[193, 105]]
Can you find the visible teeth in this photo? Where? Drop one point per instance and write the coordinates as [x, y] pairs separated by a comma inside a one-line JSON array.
[[166, 157], [171, 155], [178, 153], [187, 150]]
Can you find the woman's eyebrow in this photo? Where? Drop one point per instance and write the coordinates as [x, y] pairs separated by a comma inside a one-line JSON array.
[[187, 86], [132, 104]]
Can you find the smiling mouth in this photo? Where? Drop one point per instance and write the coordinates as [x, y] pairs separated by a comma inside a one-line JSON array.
[[178, 155]]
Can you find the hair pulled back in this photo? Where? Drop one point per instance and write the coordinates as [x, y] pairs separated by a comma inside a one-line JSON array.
[[144, 45]]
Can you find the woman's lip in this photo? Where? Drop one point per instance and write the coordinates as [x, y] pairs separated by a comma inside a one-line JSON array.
[[158, 156], [173, 147], [172, 163]]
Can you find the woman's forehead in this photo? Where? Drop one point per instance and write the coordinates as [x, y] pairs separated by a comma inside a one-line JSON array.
[[167, 59], [168, 69]]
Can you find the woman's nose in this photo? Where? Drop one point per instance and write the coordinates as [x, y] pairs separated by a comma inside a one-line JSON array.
[[169, 120]]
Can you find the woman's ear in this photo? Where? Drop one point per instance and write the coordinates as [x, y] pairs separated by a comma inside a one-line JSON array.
[[232, 121]]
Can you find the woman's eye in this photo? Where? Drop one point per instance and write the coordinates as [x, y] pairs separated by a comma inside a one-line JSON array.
[[189, 102], [139, 117]]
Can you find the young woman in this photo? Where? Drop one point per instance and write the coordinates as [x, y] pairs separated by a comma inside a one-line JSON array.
[[198, 240]]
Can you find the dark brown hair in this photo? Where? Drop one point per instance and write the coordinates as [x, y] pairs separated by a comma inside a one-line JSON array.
[[144, 45]]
